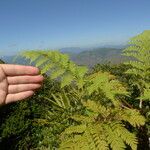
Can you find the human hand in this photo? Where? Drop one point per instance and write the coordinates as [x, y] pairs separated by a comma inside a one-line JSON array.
[[18, 82]]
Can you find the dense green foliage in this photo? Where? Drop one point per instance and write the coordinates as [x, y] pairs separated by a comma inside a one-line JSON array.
[[106, 108], [18, 130]]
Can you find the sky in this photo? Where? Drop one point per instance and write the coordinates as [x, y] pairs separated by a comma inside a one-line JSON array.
[[54, 24]]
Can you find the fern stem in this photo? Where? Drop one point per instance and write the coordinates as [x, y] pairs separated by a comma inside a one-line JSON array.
[[140, 104], [130, 106]]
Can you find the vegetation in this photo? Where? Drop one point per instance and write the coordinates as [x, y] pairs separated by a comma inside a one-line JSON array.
[[99, 109], [1, 61]]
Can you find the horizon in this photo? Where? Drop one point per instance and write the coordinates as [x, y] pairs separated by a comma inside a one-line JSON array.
[[68, 49], [53, 24]]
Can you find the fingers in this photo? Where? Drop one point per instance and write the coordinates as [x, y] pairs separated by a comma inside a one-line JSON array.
[[21, 83], [12, 89], [2, 96], [25, 79], [18, 96], [14, 70]]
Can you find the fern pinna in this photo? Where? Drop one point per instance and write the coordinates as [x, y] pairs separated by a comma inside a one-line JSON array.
[[101, 125]]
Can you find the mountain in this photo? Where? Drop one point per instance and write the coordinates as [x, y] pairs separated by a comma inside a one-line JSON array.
[[74, 50], [86, 57], [10, 60], [99, 55], [7, 59]]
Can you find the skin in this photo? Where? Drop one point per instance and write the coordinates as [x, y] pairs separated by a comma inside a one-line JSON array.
[[18, 82]]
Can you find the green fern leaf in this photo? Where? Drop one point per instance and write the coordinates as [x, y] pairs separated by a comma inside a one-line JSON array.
[[66, 79], [56, 73]]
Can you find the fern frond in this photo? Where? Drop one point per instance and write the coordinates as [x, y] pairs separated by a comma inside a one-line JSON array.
[[97, 108], [118, 135], [107, 84], [128, 137], [98, 131], [113, 138], [90, 139], [139, 50], [132, 116], [59, 64]]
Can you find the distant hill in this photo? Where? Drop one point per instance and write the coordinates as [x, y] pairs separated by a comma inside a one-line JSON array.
[[87, 57], [99, 55], [72, 50], [10, 60]]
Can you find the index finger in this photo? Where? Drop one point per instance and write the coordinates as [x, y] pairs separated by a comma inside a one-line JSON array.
[[14, 70]]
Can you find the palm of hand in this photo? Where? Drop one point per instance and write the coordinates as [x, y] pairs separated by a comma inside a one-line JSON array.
[[18, 82]]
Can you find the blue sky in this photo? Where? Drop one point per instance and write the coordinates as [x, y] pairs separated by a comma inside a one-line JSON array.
[[53, 24]]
